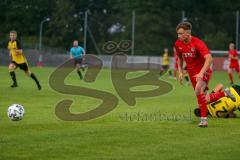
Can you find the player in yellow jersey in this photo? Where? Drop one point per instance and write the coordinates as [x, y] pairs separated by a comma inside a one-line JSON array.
[[166, 64], [18, 60], [223, 107]]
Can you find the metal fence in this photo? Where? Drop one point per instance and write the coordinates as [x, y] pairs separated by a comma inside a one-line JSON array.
[[54, 59]]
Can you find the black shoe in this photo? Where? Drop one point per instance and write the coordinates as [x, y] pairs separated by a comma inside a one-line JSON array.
[[83, 67], [39, 87], [197, 112], [14, 85], [81, 76]]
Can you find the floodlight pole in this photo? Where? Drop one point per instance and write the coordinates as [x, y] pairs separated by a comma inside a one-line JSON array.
[[40, 32], [85, 31], [183, 16], [133, 32], [237, 29]]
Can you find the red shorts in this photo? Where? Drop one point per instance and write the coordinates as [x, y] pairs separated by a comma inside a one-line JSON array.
[[206, 78], [234, 66]]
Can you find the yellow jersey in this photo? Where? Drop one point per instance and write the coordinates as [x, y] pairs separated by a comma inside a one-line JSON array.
[[222, 107], [165, 59], [16, 57]]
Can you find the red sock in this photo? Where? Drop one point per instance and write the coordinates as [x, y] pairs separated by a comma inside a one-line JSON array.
[[215, 96], [230, 77], [202, 103], [175, 73]]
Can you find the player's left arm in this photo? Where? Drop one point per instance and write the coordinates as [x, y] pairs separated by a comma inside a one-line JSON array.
[[204, 51], [207, 63], [83, 50], [19, 48], [19, 51], [84, 53], [235, 56]]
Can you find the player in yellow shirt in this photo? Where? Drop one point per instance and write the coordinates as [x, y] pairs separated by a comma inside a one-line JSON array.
[[166, 64], [224, 107], [18, 60]]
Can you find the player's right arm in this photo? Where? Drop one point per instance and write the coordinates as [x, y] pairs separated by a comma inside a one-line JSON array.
[[9, 48], [71, 57], [71, 53], [180, 69], [179, 63]]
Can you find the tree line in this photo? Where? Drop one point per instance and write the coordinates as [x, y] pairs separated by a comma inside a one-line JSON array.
[[111, 20]]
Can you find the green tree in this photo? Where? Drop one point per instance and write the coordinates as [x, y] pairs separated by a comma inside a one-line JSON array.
[[62, 28]]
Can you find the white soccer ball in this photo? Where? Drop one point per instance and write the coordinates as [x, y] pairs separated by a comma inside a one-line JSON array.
[[15, 112]]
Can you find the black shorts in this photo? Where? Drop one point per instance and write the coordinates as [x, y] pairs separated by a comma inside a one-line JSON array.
[[77, 61], [165, 67], [22, 66]]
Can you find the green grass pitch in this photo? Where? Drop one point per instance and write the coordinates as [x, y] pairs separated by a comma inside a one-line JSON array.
[[116, 135]]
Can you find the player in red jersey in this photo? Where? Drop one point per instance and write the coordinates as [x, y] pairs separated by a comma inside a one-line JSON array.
[[233, 58], [198, 60]]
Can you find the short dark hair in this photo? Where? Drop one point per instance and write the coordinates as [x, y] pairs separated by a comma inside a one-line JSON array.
[[184, 25], [13, 31]]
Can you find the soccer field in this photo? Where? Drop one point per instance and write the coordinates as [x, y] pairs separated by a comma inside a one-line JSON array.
[[125, 133]]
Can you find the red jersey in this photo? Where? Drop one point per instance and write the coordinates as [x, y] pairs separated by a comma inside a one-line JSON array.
[[233, 53], [192, 53]]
